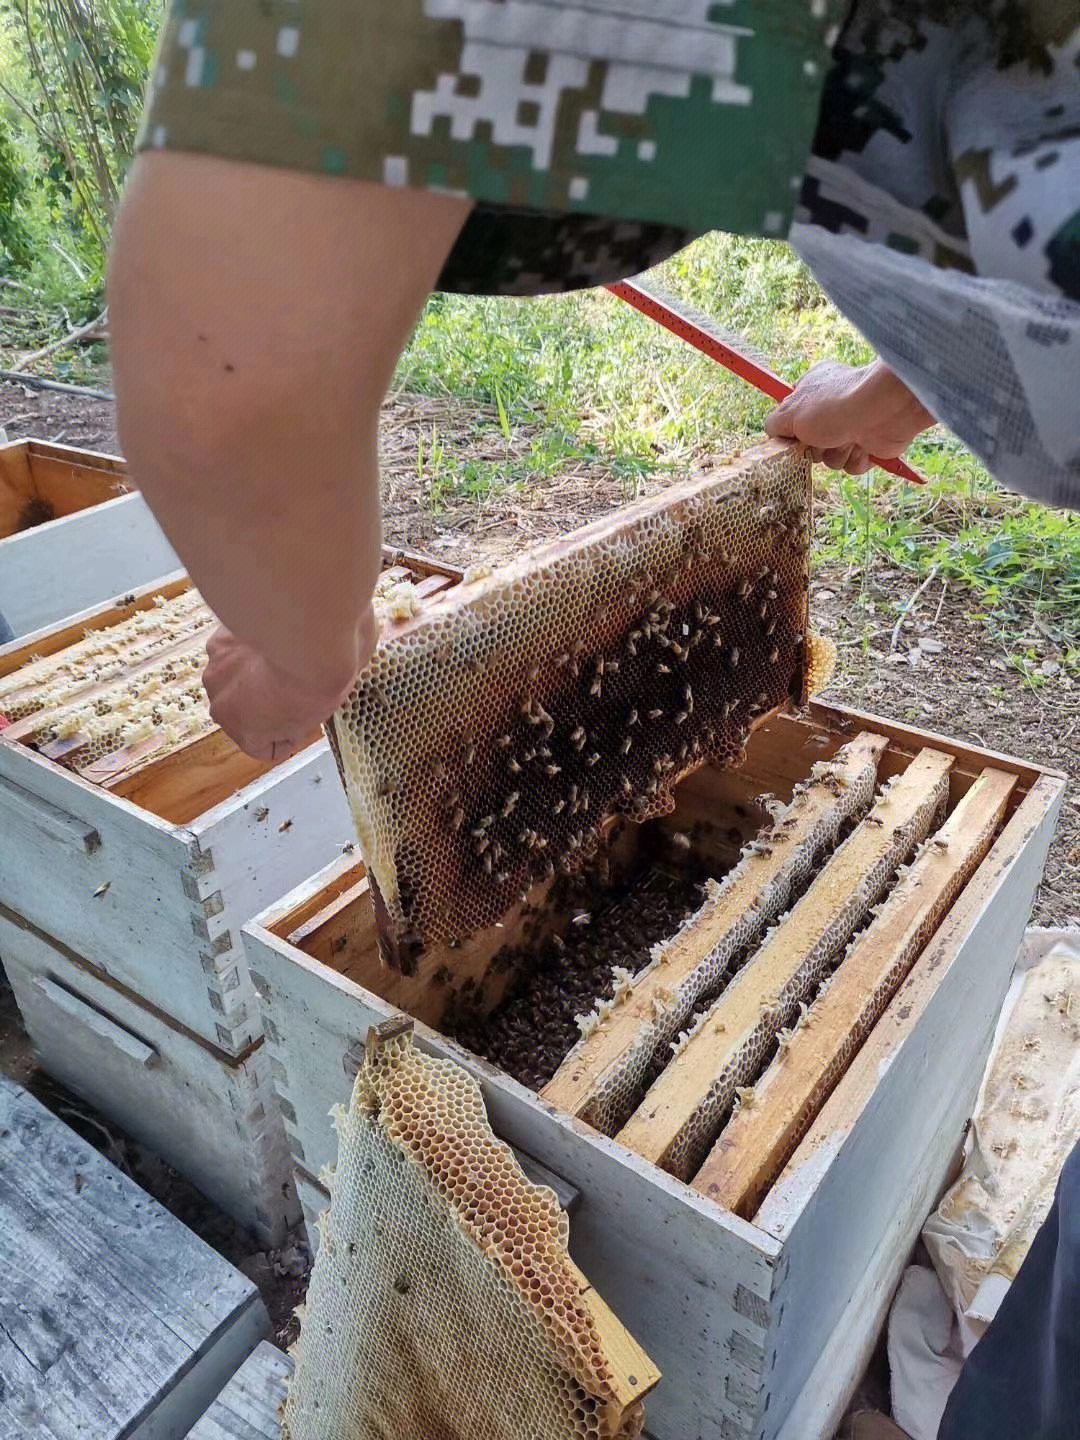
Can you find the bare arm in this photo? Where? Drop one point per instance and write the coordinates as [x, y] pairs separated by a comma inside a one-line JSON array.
[[257, 315]]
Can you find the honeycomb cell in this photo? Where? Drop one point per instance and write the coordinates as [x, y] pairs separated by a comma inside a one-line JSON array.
[[492, 1338], [493, 736]]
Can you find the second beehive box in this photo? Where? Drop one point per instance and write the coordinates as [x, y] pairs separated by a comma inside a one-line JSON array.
[[761, 1326], [72, 533], [124, 880]]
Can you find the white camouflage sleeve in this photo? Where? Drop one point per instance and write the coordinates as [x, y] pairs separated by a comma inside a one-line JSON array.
[[941, 212]]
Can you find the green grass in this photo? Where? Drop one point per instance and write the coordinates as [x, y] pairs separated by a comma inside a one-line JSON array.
[[589, 364], [604, 385], [585, 381]]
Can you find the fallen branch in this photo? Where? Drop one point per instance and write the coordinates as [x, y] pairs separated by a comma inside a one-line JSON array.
[[911, 602], [38, 383], [82, 332]]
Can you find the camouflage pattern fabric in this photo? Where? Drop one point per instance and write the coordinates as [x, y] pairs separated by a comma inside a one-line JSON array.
[[932, 148], [596, 136], [941, 211]]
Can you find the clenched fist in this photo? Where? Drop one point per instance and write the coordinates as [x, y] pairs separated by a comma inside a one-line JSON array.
[[268, 713], [844, 416]]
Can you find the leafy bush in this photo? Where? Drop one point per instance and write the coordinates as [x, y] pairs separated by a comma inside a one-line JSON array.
[[72, 74], [16, 245]]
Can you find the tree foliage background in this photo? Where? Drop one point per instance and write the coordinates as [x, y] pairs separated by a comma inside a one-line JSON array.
[[72, 74]]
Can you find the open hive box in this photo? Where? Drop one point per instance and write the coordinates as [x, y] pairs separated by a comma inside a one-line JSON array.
[[137, 839], [760, 1322], [744, 1031], [73, 532]]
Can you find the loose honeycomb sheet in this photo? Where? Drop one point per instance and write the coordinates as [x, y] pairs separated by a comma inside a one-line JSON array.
[[443, 1304]]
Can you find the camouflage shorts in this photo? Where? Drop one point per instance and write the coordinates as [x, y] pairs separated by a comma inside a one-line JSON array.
[[595, 136]]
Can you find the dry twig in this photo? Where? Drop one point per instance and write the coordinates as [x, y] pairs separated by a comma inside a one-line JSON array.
[[909, 606], [81, 332]]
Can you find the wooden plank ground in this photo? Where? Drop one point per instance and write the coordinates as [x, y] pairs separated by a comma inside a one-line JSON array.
[[247, 1409], [115, 1320]]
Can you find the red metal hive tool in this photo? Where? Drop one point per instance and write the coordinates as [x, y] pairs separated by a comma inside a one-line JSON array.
[[699, 331]]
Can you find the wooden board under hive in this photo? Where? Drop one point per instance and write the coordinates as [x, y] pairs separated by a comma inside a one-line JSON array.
[[747, 1203], [73, 533], [137, 841], [115, 1320]]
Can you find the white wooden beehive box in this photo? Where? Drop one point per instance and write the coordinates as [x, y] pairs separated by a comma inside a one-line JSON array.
[[760, 1326], [72, 533], [122, 893]]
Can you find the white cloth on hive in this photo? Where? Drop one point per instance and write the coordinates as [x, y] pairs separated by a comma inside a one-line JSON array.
[[925, 1353], [1026, 1122]]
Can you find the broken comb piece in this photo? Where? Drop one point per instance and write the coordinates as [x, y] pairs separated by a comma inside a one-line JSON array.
[[483, 671]]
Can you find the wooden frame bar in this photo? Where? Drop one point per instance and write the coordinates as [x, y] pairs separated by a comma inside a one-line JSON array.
[[760, 1139]]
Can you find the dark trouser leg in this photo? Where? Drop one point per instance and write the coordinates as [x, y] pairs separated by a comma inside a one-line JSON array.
[[1022, 1380]]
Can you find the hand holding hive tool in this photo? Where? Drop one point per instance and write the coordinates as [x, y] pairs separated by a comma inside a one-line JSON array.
[[497, 731], [698, 330]]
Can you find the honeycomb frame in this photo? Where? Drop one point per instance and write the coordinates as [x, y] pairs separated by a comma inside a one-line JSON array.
[[443, 1300], [495, 734]]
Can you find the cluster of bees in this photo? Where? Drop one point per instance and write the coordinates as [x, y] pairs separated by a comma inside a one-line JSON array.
[[494, 737], [167, 702], [615, 728], [591, 965], [106, 692]]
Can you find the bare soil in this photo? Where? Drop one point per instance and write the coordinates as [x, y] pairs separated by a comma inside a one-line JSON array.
[[52, 415]]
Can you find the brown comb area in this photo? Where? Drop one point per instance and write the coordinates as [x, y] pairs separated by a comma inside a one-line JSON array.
[[493, 735], [443, 1304], [35, 512]]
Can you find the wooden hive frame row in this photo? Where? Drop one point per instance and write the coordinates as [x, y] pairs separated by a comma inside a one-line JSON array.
[[127, 694], [725, 1094], [723, 1054], [597, 1078], [761, 1137]]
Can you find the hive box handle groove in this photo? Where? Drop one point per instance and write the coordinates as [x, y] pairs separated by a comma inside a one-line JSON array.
[[50, 820], [101, 1024]]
